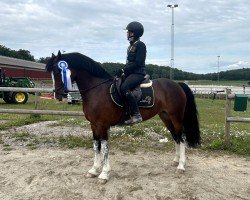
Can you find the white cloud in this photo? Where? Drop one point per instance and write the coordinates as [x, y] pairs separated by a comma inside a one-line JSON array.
[[239, 64], [203, 30]]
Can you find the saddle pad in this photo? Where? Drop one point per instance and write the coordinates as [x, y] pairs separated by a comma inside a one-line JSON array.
[[147, 98]]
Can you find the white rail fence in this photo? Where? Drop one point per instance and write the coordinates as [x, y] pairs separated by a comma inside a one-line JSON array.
[[213, 89]]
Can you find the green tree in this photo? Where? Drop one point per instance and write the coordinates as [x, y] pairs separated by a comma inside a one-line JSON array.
[[43, 60], [21, 53], [25, 55]]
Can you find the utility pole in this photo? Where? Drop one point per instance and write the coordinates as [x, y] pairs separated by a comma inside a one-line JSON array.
[[218, 74], [171, 76]]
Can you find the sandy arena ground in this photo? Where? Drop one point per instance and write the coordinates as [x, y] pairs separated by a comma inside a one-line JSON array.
[[59, 173]]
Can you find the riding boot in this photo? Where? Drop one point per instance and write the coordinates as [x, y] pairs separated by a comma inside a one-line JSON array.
[[125, 114], [135, 113]]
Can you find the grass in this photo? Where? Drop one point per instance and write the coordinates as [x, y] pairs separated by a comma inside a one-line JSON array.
[[74, 141], [212, 122], [72, 122], [1, 140], [142, 136], [32, 141], [23, 136], [238, 145], [7, 148], [42, 104], [19, 120]]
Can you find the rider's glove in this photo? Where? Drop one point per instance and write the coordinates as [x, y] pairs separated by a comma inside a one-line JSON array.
[[119, 72]]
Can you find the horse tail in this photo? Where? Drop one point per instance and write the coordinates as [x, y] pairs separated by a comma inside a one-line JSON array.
[[190, 121]]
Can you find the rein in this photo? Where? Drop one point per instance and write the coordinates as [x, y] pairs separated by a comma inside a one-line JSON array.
[[88, 89]]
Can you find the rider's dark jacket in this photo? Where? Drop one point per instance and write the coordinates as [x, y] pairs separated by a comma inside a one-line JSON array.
[[136, 56]]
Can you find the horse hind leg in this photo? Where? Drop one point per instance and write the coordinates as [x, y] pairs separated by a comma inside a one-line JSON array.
[[180, 147], [175, 127], [177, 154], [182, 160]]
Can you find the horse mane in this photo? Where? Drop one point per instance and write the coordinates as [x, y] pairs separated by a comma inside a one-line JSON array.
[[81, 62]]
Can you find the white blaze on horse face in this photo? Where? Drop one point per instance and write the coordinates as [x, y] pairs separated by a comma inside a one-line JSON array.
[[53, 80]]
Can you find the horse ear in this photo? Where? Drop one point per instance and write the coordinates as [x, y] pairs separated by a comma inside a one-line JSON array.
[[53, 55], [59, 54]]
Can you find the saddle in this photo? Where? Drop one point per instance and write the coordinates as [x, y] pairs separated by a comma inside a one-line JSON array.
[[144, 93]]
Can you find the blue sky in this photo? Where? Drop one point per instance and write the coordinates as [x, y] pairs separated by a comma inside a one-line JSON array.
[[203, 30]]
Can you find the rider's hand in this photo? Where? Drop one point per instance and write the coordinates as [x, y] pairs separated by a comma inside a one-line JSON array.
[[119, 72]]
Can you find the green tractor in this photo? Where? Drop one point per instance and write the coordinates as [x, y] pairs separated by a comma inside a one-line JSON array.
[[15, 97]]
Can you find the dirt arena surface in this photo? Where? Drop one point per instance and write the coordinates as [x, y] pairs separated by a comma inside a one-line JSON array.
[[59, 173]]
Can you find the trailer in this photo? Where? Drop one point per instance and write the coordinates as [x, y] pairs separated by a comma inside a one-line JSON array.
[[74, 96]]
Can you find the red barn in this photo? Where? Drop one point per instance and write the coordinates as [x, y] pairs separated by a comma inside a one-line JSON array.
[[13, 67]]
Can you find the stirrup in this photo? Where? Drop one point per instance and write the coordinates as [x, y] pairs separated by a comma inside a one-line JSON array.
[[133, 120]]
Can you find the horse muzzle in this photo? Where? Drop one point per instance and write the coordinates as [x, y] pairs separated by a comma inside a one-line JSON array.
[[59, 93]]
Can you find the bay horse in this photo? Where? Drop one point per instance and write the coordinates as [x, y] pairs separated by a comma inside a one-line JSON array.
[[174, 103]]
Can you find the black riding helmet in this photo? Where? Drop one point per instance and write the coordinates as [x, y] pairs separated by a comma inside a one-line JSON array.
[[136, 28]]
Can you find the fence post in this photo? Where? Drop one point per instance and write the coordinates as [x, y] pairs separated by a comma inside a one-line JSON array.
[[36, 100], [227, 114]]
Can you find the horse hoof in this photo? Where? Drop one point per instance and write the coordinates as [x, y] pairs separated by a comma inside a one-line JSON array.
[[88, 175], [102, 181], [175, 163], [180, 171]]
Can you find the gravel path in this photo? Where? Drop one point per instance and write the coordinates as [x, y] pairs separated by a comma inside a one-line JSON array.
[[58, 173]]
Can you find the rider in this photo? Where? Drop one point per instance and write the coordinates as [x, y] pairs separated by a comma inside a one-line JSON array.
[[134, 69]]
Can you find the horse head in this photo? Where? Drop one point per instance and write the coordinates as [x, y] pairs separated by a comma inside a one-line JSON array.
[[61, 75]]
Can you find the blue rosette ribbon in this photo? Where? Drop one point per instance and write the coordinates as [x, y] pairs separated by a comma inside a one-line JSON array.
[[65, 71]]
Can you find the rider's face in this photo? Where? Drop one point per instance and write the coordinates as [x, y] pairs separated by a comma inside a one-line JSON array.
[[130, 34]]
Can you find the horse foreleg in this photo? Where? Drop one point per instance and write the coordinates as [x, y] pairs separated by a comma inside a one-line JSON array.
[[94, 171], [104, 176], [182, 159], [177, 154]]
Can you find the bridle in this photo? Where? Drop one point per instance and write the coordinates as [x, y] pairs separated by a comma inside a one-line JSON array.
[[62, 66]]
